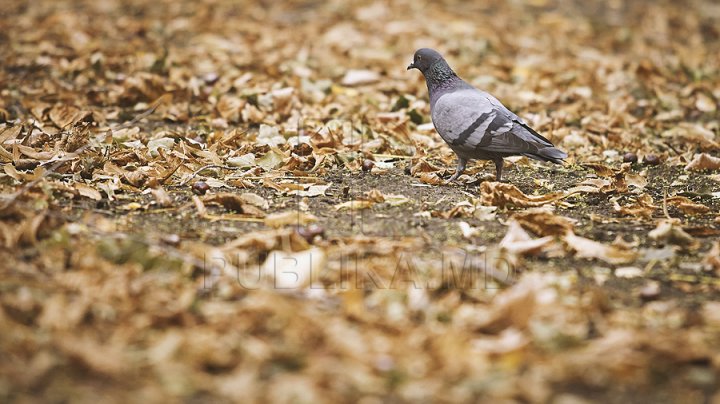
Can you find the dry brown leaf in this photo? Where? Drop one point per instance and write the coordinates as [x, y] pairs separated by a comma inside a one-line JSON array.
[[703, 162], [617, 177], [586, 248], [64, 116], [669, 231], [255, 200], [355, 205], [87, 191], [642, 207], [422, 166], [162, 198], [375, 195], [503, 195], [543, 222], [289, 217], [687, 206], [601, 169], [21, 176], [517, 241], [234, 202], [430, 178], [229, 107]]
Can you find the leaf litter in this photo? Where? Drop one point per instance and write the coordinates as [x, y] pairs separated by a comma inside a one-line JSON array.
[[199, 209]]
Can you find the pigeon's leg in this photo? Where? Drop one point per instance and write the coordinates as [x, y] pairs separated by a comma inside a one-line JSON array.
[[498, 168], [459, 170]]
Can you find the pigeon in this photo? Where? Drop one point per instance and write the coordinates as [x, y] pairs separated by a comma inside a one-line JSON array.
[[474, 123]]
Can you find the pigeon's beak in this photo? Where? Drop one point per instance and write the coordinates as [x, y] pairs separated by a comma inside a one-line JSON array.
[[411, 66]]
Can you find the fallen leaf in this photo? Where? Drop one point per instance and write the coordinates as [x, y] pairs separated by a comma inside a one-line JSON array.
[[702, 162], [64, 116], [503, 195], [255, 200], [687, 206], [642, 207], [586, 248], [355, 205], [543, 222], [359, 77], [518, 242], [430, 178], [234, 202], [669, 231], [289, 217], [87, 191]]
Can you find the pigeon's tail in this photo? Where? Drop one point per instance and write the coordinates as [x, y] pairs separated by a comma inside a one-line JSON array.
[[552, 154]]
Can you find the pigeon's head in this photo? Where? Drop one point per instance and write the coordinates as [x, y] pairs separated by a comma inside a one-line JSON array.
[[424, 59]]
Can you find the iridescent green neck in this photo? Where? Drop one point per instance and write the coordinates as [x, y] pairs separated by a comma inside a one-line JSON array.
[[439, 74]]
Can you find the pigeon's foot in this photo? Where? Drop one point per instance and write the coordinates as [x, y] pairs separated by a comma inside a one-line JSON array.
[[452, 178], [459, 170]]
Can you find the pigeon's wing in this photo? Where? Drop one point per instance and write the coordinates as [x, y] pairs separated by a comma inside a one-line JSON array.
[[463, 117], [473, 121]]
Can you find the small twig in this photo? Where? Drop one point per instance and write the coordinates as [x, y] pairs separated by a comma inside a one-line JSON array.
[[672, 148], [216, 218], [665, 209], [199, 170], [393, 156], [169, 174]]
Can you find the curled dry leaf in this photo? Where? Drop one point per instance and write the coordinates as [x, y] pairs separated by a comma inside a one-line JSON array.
[[669, 231], [586, 248], [703, 162], [162, 198], [642, 207], [354, 205], [375, 196], [543, 222], [503, 195], [64, 116], [430, 178], [462, 209], [601, 170], [289, 217], [359, 77], [255, 200], [617, 177], [518, 241], [87, 191], [687, 206], [234, 202], [422, 166], [628, 272]]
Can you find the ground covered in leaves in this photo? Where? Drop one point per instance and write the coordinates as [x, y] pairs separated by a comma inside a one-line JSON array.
[[244, 201]]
